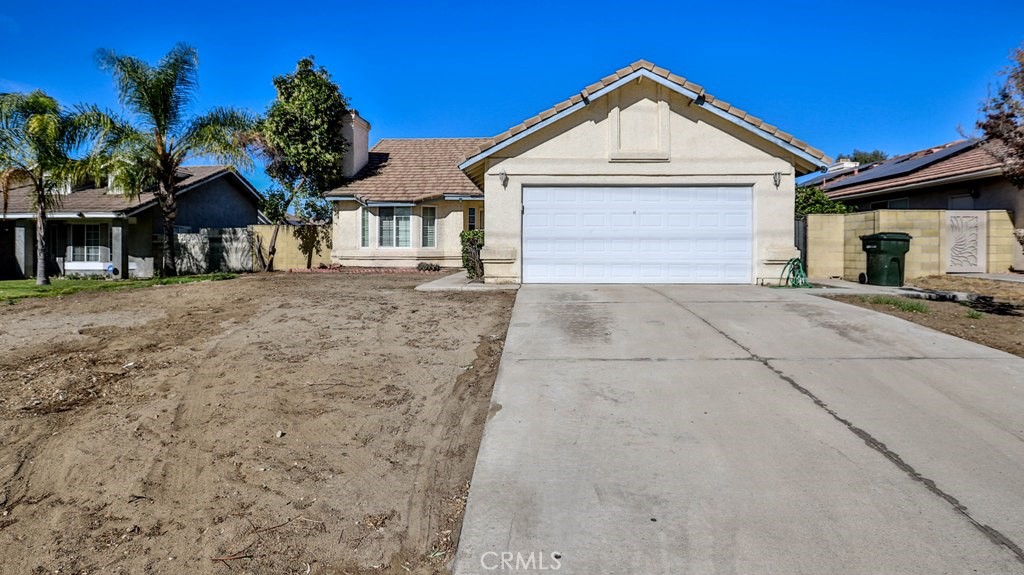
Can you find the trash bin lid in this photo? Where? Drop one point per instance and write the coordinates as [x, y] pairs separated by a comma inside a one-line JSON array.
[[898, 236]]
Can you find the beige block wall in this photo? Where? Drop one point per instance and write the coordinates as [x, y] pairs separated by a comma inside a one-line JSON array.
[[347, 229], [825, 239], [826, 255], [585, 149], [1003, 248], [287, 254]]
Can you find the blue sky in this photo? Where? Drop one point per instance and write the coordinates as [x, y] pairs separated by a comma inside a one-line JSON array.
[[894, 75]]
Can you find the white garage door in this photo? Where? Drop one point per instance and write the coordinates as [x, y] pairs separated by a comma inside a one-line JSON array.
[[637, 235]]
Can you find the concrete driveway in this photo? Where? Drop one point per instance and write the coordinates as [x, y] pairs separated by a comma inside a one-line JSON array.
[[712, 429]]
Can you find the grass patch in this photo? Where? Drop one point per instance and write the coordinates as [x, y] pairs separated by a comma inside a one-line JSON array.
[[13, 290], [900, 303], [975, 314]]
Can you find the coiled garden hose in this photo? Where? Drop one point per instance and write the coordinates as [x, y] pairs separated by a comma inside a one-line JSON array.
[[794, 274]]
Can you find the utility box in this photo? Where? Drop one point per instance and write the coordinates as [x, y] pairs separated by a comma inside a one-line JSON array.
[[886, 253]]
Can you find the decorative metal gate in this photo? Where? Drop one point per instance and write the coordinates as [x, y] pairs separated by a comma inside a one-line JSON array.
[[966, 241]]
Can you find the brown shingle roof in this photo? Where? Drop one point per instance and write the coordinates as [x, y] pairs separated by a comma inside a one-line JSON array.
[[94, 199], [753, 121], [412, 170], [977, 159]]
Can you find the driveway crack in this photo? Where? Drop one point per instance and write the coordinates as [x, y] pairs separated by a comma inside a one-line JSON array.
[[990, 532]]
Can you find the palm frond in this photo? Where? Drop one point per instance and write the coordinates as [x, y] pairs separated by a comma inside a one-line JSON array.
[[221, 135], [159, 95]]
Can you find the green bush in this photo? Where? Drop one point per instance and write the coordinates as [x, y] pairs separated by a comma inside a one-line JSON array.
[[472, 242], [812, 200]]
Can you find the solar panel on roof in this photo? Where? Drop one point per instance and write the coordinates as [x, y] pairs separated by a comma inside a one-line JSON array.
[[905, 164]]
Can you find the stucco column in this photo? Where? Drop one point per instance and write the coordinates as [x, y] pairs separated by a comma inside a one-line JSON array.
[[119, 248], [24, 247]]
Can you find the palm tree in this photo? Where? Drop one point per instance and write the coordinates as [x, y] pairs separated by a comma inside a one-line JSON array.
[[147, 154], [39, 141]]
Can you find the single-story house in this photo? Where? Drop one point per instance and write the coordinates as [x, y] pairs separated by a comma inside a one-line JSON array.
[[960, 175], [96, 227], [639, 177]]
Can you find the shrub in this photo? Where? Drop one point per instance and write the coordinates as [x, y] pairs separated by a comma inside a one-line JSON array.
[[428, 267], [812, 200], [472, 242]]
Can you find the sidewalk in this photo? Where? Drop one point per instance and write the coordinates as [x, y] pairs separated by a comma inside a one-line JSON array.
[[459, 281]]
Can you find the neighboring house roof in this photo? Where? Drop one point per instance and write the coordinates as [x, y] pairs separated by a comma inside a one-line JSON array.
[[100, 202], [642, 68], [412, 170], [949, 163]]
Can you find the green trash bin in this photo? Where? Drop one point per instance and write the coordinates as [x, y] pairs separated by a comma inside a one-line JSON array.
[[886, 252]]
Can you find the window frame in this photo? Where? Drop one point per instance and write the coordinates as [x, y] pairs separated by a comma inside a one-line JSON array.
[[395, 218], [471, 217], [84, 251], [364, 227], [423, 226]]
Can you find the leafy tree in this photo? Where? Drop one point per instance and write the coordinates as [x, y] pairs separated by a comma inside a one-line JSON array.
[[316, 234], [39, 145], [300, 139], [1003, 119], [812, 200], [865, 157], [147, 153]]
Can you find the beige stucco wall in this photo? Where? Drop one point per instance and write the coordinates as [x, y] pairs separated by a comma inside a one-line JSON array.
[[287, 254], [347, 250], [827, 257], [644, 135]]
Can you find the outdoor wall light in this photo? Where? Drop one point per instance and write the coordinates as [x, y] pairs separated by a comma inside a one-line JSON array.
[[503, 178], [777, 178]]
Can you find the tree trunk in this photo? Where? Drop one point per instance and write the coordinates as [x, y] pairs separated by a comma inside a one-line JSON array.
[[169, 210], [41, 278], [272, 247]]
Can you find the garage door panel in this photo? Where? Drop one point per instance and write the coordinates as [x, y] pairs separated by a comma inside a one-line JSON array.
[[621, 235]]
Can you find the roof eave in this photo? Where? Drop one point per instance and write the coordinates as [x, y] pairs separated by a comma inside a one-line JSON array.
[[814, 162], [988, 173]]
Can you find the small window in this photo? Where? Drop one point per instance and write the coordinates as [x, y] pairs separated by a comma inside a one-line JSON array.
[[899, 204], [364, 233], [472, 219], [394, 227], [428, 228]]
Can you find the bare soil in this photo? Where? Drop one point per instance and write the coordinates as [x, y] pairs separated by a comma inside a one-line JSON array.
[[269, 424], [1000, 325], [1012, 292]]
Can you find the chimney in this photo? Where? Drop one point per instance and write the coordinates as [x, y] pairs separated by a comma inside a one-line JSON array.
[[356, 132]]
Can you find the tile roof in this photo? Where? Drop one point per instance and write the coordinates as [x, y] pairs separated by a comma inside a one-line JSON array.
[[976, 158], [412, 170], [94, 199], [751, 120]]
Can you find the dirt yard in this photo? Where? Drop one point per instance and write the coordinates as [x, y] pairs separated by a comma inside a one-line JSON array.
[[270, 424], [997, 323]]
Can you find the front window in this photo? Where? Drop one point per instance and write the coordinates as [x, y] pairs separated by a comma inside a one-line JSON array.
[[85, 242], [364, 235], [428, 230], [472, 218], [393, 231]]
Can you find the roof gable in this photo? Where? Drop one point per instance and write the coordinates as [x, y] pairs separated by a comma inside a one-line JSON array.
[[812, 157], [101, 202]]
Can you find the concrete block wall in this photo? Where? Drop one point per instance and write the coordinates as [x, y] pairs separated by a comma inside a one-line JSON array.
[[834, 245], [1002, 246], [825, 239], [856, 225], [287, 254], [927, 248]]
